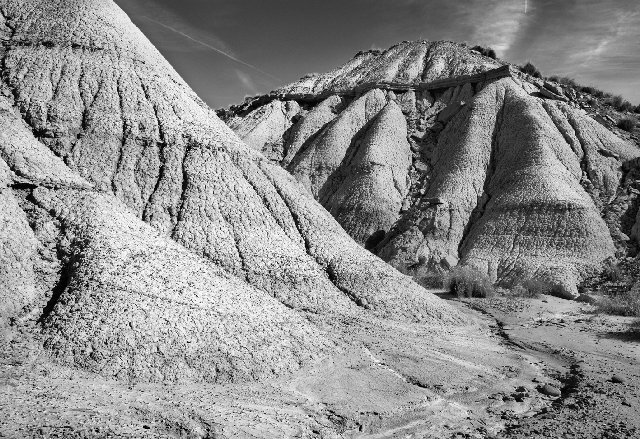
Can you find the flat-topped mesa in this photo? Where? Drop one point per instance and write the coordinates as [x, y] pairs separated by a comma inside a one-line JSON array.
[[149, 241], [499, 172]]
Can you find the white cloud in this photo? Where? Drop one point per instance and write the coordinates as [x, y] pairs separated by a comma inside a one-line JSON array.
[[496, 23], [247, 81]]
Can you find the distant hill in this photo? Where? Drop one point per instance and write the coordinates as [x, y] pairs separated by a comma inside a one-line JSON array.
[[431, 155]]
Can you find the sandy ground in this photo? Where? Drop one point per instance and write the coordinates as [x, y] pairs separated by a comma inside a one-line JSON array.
[[399, 381]]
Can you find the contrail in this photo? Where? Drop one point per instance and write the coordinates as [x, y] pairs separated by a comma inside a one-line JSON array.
[[202, 43], [525, 7]]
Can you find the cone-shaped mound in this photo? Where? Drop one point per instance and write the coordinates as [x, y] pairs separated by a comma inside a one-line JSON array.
[[211, 287], [504, 175]]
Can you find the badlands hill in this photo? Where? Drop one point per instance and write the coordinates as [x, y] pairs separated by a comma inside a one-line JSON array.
[[147, 240], [432, 155], [161, 277]]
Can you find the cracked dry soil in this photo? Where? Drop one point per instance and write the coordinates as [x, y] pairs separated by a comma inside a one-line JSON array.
[[590, 360]]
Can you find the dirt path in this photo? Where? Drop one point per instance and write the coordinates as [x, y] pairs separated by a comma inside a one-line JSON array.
[[482, 382], [594, 360]]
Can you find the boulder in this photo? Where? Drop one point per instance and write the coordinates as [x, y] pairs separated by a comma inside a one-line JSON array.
[[449, 261], [544, 91], [554, 88]]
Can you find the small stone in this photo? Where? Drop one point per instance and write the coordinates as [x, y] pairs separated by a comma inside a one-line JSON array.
[[421, 166], [449, 262], [550, 390]]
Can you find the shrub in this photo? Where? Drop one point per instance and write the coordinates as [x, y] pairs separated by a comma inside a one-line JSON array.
[[310, 75], [530, 69], [612, 271], [637, 109], [627, 124], [615, 101], [467, 282], [625, 106], [625, 303], [532, 288], [565, 80], [486, 51], [587, 89], [430, 280]]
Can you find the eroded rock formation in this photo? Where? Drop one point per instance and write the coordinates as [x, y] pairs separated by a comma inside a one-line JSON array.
[[144, 238], [503, 176]]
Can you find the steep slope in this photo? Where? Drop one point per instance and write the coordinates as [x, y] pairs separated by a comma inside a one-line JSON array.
[[505, 175], [144, 238]]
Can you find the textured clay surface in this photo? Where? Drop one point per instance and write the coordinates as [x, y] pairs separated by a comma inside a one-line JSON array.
[[432, 160], [142, 237]]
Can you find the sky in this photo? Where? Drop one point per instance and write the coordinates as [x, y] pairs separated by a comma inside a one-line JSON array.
[[229, 49]]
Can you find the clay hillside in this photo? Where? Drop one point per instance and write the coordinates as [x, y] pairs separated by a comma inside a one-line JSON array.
[[431, 155], [143, 242], [162, 276]]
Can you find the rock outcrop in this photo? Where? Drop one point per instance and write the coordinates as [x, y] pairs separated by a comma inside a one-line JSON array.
[[506, 174], [143, 237]]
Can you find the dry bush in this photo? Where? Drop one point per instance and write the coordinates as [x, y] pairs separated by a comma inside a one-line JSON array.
[[626, 106], [614, 100], [619, 103], [627, 124], [531, 70], [568, 82], [486, 51], [624, 303], [467, 282], [588, 89], [430, 280], [612, 271], [532, 288]]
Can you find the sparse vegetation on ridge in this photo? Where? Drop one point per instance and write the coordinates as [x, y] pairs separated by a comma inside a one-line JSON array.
[[530, 69], [627, 124], [486, 51], [615, 101]]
